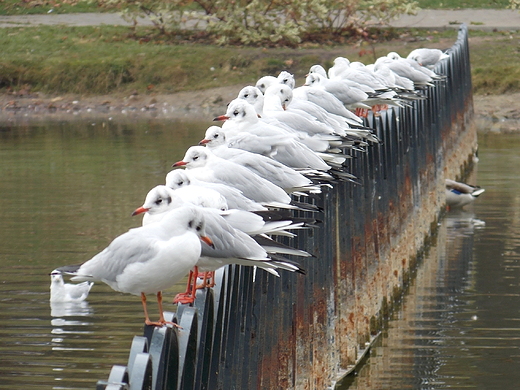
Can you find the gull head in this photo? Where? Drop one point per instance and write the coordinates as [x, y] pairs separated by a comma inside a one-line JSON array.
[[177, 179], [159, 199], [213, 137]]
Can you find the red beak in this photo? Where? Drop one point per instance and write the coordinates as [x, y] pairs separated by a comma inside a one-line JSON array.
[[204, 141], [221, 118], [179, 164], [208, 241], [140, 210]]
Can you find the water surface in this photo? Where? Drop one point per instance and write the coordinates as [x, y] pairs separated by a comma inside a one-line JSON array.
[[459, 327], [66, 190]]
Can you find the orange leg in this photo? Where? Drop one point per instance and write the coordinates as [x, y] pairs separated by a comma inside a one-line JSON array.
[[205, 276], [361, 112], [147, 321], [189, 296], [161, 321]]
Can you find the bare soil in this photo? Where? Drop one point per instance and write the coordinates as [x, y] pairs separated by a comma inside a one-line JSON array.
[[492, 112], [196, 105]]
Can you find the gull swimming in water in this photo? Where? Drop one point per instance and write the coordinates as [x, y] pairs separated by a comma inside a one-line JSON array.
[[67, 292]]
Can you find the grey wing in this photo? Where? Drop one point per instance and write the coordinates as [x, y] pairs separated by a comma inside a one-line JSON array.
[[331, 104], [250, 184], [229, 242], [235, 197], [126, 249], [79, 291]]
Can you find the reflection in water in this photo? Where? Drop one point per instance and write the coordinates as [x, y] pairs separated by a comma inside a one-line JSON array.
[[70, 309], [426, 334], [459, 325]]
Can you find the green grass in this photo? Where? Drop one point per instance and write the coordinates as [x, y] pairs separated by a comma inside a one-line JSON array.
[[100, 60], [458, 4], [495, 64], [31, 7], [28, 7], [105, 60]]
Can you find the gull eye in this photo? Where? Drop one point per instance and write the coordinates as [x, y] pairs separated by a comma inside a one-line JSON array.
[[235, 113], [246, 95], [199, 227], [158, 201], [195, 158]]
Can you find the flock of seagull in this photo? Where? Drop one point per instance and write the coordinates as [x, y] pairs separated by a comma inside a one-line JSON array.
[[234, 194]]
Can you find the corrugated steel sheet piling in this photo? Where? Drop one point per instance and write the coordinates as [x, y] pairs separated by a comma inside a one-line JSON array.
[[304, 332]]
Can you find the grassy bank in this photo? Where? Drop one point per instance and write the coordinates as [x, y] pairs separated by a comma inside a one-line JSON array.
[[105, 60], [28, 7]]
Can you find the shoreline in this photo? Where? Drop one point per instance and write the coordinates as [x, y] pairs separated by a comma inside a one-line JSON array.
[[493, 113]]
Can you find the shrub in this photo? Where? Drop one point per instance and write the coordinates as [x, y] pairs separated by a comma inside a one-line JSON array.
[[266, 22]]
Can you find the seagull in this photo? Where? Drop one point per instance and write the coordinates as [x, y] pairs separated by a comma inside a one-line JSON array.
[[161, 199], [67, 292], [235, 199], [264, 82], [281, 175], [354, 78], [301, 122], [150, 258], [286, 96], [327, 101], [404, 68], [246, 131], [460, 194], [350, 96], [318, 135], [427, 57], [230, 245], [204, 165]]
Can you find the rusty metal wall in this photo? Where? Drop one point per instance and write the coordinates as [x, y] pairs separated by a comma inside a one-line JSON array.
[[305, 331]]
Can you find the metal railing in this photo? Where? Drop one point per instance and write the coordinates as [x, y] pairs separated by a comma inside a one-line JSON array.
[[303, 331]]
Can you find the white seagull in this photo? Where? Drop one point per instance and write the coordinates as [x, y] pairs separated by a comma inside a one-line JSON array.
[[204, 165], [350, 96], [150, 258], [281, 175], [235, 199], [229, 245], [67, 292], [427, 57], [247, 132]]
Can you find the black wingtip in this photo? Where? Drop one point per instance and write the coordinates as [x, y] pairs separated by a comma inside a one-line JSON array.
[[68, 269]]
